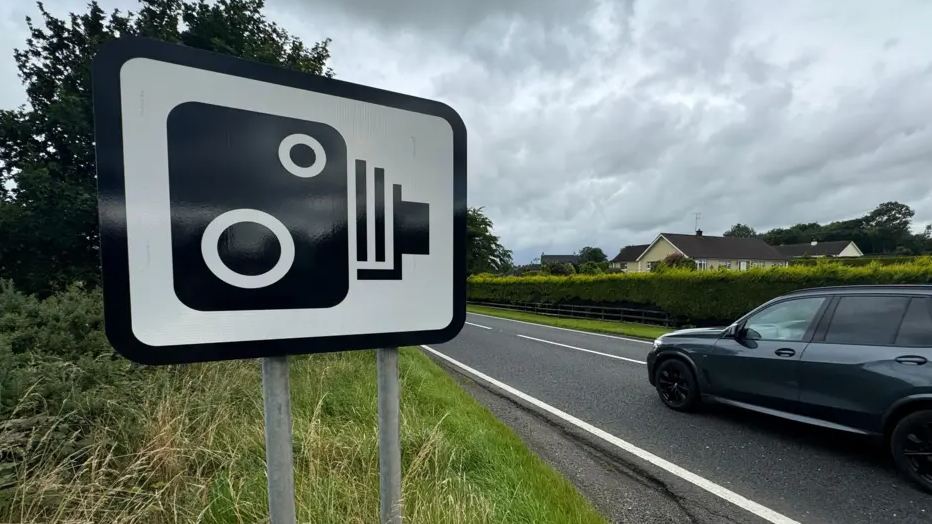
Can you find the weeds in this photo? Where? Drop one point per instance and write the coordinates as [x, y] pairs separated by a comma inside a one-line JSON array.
[[85, 438]]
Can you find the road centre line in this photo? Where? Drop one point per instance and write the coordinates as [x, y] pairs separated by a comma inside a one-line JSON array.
[[479, 325], [724, 493], [565, 329], [626, 359]]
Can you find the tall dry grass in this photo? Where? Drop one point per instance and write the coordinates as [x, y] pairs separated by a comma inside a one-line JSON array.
[[191, 450]]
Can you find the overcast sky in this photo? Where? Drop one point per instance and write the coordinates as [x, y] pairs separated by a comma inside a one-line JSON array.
[[605, 122]]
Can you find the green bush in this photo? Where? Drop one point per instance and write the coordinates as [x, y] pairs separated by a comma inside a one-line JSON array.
[[590, 268], [674, 261], [60, 385], [558, 268], [858, 261], [692, 296]]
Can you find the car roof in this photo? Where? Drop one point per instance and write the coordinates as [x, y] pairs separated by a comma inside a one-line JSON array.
[[906, 289]]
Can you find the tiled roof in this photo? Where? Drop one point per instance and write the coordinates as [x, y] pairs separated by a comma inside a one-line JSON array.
[[630, 253], [559, 259], [723, 248], [820, 249]]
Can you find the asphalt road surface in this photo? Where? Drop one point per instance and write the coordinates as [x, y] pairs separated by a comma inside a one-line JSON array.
[[737, 466]]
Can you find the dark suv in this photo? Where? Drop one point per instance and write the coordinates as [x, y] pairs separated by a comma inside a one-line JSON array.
[[852, 358]]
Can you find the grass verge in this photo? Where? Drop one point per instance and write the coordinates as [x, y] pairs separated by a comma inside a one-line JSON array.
[[188, 447], [582, 324]]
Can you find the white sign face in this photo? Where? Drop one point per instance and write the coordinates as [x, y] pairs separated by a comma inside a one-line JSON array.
[[251, 211]]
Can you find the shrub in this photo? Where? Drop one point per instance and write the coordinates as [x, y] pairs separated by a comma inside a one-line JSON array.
[[557, 268], [674, 261], [60, 385], [859, 261], [590, 268], [692, 296]]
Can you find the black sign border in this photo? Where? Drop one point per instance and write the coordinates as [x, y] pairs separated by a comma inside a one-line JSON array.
[[112, 203]]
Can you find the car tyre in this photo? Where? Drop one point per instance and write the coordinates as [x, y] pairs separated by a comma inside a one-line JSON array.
[[677, 386], [911, 437]]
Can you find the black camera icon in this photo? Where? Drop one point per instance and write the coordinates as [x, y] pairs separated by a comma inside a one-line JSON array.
[[260, 210]]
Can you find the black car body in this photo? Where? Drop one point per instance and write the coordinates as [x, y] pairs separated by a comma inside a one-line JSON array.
[[853, 358]]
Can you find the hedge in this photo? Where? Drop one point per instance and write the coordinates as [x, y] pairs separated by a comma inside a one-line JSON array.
[[691, 296], [856, 261]]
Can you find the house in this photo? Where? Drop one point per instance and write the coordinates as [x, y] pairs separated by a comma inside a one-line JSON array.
[[628, 255], [837, 248], [710, 252], [558, 259]]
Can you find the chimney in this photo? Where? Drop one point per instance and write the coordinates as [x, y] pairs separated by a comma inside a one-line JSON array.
[[698, 232], [814, 242]]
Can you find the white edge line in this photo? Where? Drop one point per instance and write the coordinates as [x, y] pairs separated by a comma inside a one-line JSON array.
[[479, 325], [746, 504], [565, 329], [626, 359]]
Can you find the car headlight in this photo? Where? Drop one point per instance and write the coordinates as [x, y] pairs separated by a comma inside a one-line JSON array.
[[657, 343]]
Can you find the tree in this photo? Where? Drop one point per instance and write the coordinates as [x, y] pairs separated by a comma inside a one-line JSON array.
[[592, 254], [48, 203], [889, 226], [484, 253], [740, 231]]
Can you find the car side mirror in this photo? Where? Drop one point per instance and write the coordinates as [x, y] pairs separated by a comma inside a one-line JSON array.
[[740, 333]]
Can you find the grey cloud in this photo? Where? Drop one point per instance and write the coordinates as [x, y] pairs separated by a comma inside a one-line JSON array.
[[604, 122], [454, 18]]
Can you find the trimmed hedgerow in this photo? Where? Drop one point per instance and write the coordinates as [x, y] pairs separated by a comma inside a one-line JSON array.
[[857, 261], [699, 296]]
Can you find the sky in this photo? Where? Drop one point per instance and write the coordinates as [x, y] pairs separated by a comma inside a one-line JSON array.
[[605, 122]]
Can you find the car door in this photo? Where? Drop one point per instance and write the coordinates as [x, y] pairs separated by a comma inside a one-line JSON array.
[[871, 351], [760, 368]]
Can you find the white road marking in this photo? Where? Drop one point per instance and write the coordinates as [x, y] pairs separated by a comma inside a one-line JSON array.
[[746, 504], [565, 329], [626, 359], [479, 325]]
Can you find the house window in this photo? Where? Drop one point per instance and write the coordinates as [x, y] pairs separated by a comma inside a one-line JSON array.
[[650, 265], [623, 266], [725, 263], [742, 265], [702, 265]]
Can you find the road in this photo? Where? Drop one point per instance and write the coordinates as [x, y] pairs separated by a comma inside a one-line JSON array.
[[781, 472]]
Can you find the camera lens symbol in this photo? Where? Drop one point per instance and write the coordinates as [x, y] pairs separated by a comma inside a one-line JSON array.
[[284, 155], [211, 254]]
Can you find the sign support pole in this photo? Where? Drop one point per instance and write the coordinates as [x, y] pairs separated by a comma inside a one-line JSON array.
[[389, 436], [276, 395]]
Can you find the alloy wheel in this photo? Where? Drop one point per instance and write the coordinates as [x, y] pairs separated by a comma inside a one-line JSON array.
[[673, 386], [917, 450]]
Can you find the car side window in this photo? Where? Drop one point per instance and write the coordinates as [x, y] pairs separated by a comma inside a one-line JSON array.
[[866, 320], [788, 320], [916, 329]]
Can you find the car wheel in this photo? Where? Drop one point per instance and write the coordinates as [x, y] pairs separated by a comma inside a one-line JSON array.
[[676, 385], [911, 444]]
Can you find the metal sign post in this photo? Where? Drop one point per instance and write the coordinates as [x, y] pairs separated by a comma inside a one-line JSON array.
[[389, 436], [276, 396]]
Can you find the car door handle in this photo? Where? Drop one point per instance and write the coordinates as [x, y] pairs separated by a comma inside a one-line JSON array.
[[785, 352], [912, 359]]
